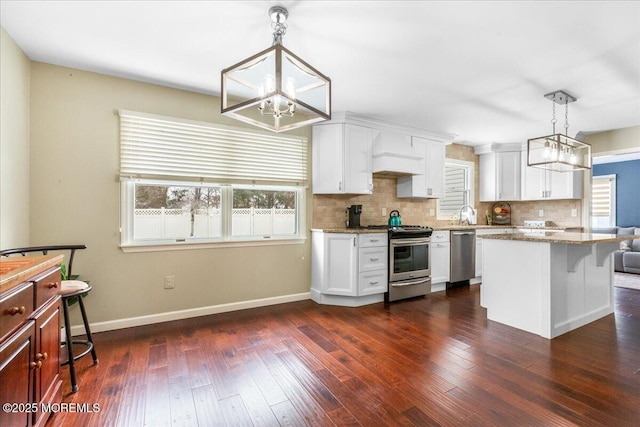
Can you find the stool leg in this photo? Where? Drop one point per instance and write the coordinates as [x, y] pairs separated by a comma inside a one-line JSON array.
[[69, 345], [87, 330]]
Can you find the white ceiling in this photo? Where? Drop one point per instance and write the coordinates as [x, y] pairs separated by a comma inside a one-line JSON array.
[[478, 70]]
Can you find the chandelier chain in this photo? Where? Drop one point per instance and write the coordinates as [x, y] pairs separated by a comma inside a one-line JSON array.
[[279, 30], [553, 119], [566, 117]]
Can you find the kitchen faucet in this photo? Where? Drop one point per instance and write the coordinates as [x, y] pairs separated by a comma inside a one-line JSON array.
[[460, 222]]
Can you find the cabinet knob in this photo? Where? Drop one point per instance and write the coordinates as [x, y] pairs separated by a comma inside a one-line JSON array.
[[15, 310], [41, 356], [52, 285], [35, 365]]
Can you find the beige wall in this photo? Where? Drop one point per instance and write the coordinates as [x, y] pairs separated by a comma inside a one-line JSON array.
[[329, 210], [75, 198], [14, 144], [624, 140]]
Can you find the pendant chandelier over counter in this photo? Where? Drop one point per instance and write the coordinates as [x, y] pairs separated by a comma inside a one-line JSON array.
[[559, 152], [275, 89]]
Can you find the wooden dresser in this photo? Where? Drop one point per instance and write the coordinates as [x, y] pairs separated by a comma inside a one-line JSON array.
[[29, 338]]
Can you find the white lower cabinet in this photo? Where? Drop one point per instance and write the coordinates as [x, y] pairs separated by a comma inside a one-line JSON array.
[[348, 269], [440, 257]]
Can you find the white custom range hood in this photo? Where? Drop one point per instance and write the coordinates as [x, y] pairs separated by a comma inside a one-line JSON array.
[[394, 155]]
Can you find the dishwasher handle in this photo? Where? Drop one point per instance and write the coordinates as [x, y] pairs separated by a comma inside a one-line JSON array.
[[463, 233]]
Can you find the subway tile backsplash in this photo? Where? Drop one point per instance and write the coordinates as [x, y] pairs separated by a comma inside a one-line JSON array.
[[329, 210]]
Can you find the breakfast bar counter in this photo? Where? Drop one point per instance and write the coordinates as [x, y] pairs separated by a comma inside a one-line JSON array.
[[548, 283]]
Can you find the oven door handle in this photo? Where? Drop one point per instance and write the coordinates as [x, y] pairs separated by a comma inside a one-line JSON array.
[[410, 283], [409, 242]]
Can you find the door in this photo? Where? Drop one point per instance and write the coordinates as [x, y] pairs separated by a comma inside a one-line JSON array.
[[358, 146], [16, 379], [327, 172], [47, 372], [341, 255]]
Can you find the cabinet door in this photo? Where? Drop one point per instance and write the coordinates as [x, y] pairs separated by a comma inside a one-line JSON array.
[[16, 379], [508, 175], [488, 178], [47, 372], [440, 260], [358, 145], [328, 159], [435, 169], [565, 185], [341, 255], [533, 181]]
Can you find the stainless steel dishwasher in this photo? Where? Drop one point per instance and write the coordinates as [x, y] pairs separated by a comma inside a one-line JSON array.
[[463, 255]]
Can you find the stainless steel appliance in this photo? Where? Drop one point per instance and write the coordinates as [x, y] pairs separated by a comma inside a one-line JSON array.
[[463, 255], [353, 220], [409, 262]]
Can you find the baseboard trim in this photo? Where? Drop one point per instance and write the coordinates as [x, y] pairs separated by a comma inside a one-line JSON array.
[[186, 314]]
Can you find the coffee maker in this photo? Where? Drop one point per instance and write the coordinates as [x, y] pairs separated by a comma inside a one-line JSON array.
[[353, 220]]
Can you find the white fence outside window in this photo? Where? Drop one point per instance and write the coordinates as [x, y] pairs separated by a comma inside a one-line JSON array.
[[176, 223]]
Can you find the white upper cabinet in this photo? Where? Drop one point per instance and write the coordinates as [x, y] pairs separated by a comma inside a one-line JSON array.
[[429, 183], [342, 155], [500, 176], [541, 184]]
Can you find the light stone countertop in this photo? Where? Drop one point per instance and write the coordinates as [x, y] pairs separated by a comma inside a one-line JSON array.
[[566, 238], [443, 228]]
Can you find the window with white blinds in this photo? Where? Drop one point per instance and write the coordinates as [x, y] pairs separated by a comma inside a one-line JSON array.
[[457, 189], [187, 184], [603, 202], [161, 147]]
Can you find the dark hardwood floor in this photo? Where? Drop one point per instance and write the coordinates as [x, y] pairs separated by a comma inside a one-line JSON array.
[[427, 361]]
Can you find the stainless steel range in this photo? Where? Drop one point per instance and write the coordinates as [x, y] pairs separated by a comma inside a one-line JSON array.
[[409, 261]]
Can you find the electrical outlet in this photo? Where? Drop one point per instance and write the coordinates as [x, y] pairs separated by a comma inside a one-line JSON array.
[[169, 282], [541, 213], [432, 212], [574, 212], [383, 212]]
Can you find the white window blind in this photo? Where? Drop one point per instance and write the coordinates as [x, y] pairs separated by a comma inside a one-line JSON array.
[[603, 201], [456, 189], [163, 147]]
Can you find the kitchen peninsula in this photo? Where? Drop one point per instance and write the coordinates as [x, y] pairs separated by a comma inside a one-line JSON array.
[[548, 284]]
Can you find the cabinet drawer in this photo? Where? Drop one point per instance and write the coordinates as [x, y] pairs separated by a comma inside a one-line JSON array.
[[47, 285], [372, 259], [440, 236], [370, 240], [16, 306], [372, 282]]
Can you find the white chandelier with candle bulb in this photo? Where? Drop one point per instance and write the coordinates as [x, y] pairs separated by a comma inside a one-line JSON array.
[[275, 89], [558, 152]]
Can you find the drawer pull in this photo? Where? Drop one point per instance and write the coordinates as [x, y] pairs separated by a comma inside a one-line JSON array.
[[15, 310], [374, 283], [374, 240], [374, 259], [41, 356], [52, 285], [36, 365]]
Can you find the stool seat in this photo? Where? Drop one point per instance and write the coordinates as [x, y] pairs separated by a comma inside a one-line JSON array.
[[70, 290]]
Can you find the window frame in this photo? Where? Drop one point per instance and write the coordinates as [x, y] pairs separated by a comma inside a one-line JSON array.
[[128, 243], [469, 188]]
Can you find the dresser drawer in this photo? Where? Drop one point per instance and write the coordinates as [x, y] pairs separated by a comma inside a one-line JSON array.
[[47, 285], [440, 236], [16, 306], [372, 259], [368, 240], [372, 282]]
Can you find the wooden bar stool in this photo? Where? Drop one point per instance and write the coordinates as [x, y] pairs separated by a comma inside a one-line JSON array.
[[75, 290]]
